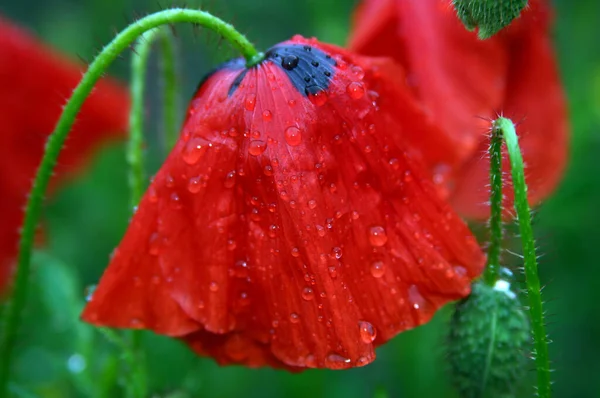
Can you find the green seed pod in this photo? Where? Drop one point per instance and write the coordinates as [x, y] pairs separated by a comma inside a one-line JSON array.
[[488, 343], [489, 15]]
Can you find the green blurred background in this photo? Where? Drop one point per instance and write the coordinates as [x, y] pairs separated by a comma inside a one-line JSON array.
[[60, 357]]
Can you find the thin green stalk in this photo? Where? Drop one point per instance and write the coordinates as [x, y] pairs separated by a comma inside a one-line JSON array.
[[491, 272], [139, 66], [506, 129], [12, 315], [170, 89]]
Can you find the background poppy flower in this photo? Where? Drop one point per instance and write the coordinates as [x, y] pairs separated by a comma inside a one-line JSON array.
[[35, 83], [289, 227], [463, 81]]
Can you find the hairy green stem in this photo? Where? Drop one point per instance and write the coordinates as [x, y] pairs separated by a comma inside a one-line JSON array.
[[12, 315], [493, 261], [170, 88], [504, 128], [136, 116]]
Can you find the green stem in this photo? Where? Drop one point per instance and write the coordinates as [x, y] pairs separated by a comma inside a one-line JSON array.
[[136, 116], [12, 315], [493, 262], [170, 88], [506, 130]]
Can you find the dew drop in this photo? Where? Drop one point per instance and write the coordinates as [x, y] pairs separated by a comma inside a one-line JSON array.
[[415, 297], [332, 272], [230, 180], [336, 359], [355, 90], [195, 184], [336, 252], [154, 244], [308, 294], [267, 116], [377, 269], [213, 287], [289, 62], [319, 98], [312, 204], [357, 71], [250, 102], [367, 332], [293, 136], [295, 252], [377, 236], [152, 195], [294, 318], [394, 163], [320, 230], [240, 269], [194, 150], [257, 147], [176, 201], [361, 361]]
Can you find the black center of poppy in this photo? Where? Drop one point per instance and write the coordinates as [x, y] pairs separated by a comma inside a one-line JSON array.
[[309, 69]]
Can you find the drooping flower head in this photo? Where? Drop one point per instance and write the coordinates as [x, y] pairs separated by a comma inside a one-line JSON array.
[[292, 225], [462, 81], [35, 83]]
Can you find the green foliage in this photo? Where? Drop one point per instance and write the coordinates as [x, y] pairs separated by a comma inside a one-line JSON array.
[[490, 16], [488, 343]]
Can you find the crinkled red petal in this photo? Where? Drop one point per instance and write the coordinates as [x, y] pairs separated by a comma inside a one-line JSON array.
[[464, 82], [287, 230]]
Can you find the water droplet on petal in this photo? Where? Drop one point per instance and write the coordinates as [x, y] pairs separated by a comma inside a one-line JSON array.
[[415, 297], [195, 184], [377, 236], [336, 252], [176, 201], [294, 318], [377, 269], [257, 147], [293, 136], [267, 115], [213, 287], [230, 179], [336, 359], [240, 269], [154, 244], [367, 332], [295, 252], [361, 361], [250, 102], [355, 90], [152, 195], [319, 98], [289, 62], [308, 294], [358, 72], [194, 150], [312, 204]]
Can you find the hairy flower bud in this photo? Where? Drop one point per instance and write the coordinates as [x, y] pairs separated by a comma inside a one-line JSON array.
[[488, 342], [490, 16]]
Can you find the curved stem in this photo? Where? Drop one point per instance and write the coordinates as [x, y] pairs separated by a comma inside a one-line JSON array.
[[506, 129], [170, 87], [493, 262], [12, 316]]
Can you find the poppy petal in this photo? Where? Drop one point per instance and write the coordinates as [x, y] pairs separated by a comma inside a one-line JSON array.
[[463, 82], [288, 224], [34, 84]]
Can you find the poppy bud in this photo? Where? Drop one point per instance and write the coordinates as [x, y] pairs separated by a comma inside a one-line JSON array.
[[490, 16], [292, 225], [488, 342]]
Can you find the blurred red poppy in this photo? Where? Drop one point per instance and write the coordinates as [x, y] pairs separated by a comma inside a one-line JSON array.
[[462, 81], [289, 227], [35, 83]]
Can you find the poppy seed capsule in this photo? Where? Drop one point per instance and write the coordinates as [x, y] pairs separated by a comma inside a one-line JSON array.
[[489, 16], [308, 178], [488, 343]]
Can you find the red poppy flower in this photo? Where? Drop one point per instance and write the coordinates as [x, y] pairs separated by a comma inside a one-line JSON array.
[[289, 227], [463, 80], [34, 85]]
